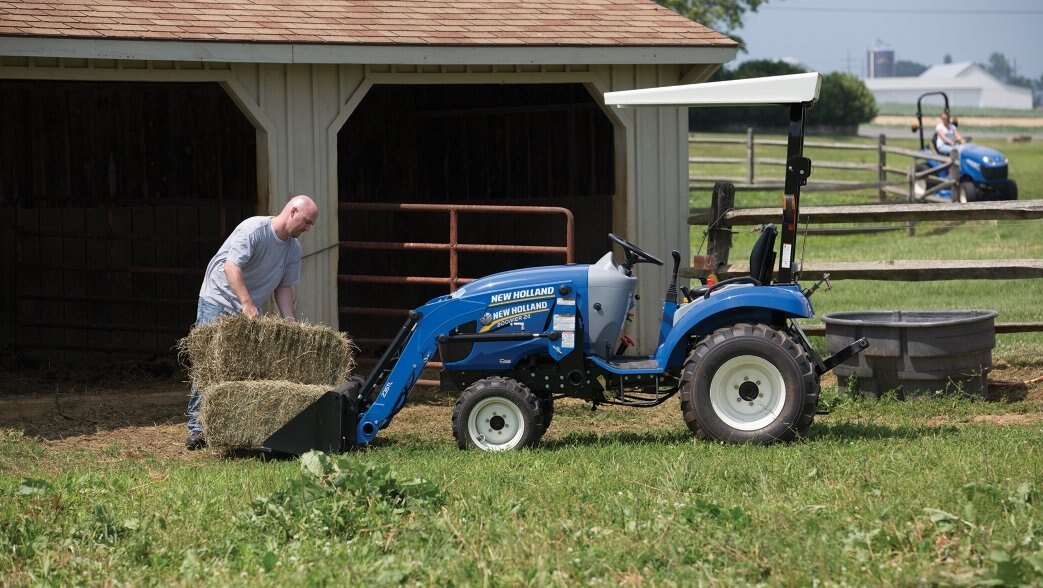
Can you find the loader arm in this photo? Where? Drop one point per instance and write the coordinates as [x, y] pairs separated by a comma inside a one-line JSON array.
[[406, 363]]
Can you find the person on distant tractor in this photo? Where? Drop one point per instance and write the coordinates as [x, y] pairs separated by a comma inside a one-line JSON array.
[[259, 260], [946, 135]]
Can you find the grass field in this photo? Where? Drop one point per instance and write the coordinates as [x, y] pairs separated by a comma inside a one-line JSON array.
[[945, 490], [933, 106]]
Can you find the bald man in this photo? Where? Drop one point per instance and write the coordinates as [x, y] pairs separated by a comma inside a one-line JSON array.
[[261, 258]]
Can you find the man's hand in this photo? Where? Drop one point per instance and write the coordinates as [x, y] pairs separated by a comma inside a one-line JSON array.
[[250, 310]]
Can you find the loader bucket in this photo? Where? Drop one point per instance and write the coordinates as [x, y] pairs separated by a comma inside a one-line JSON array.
[[327, 425]]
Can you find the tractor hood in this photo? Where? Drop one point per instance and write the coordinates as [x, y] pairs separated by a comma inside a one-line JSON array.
[[520, 279], [977, 156]]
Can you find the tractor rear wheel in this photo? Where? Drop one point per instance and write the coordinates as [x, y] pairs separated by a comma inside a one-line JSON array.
[[749, 384], [919, 185], [497, 414]]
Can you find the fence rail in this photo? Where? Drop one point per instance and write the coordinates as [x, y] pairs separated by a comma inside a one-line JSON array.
[[720, 219], [906, 181]]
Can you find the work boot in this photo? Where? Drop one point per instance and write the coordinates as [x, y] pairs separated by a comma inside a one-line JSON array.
[[195, 441]]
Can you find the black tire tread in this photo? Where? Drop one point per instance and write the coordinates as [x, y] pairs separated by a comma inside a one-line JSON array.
[[786, 343], [492, 383]]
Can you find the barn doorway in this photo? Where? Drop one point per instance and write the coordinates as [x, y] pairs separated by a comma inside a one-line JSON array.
[[113, 196], [490, 144]]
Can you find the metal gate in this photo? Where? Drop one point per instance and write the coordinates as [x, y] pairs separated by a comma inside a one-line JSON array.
[[450, 277]]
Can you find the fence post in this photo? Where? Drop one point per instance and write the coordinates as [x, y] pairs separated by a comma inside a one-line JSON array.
[[882, 174], [749, 154], [719, 231], [954, 174], [910, 227]]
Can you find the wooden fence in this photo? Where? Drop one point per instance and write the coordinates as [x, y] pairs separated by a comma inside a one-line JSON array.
[[902, 180], [720, 219]]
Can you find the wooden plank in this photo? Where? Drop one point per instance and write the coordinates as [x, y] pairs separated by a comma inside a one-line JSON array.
[[819, 330], [821, 164], [903, 270], [717, 160], [909, 152], [821, 145], [741, 185], [1005, 210]]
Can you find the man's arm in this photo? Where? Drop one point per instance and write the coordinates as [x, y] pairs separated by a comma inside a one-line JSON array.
[[235, 281], [284, 300], [943, 133]]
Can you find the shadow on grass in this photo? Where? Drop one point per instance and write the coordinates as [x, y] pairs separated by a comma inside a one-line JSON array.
[[819, 432], [592, 439], [847, 431]]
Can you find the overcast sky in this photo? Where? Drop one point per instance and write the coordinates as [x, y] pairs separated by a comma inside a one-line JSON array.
[[833, 35]]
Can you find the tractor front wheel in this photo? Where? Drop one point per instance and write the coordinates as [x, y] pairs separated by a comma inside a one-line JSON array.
[[749, 384], [497, 414], [1011, 193], [968, 192]]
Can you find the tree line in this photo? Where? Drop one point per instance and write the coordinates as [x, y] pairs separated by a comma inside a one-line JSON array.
[[844, 103]]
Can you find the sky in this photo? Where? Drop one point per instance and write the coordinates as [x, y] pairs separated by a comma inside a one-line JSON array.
[[834, 35]]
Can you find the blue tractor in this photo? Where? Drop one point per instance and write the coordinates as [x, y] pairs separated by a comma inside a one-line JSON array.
[[514, 343], [983, 171]]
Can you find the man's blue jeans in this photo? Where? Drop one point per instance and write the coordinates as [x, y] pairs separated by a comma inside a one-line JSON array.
[[206, 312]]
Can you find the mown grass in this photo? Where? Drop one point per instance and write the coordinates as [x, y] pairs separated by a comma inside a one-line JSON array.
[[884, 493], [944, 490]]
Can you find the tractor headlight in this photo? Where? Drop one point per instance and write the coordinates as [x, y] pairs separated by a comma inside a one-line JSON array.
[[986, 159]]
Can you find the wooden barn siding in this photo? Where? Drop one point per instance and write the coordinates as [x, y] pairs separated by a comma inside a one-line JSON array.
[[655, 200], [106, 192], [298, 109]]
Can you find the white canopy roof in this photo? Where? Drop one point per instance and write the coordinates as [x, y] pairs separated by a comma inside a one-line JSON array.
[[791, 89]]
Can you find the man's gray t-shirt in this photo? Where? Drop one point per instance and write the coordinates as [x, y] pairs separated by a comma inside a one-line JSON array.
[[267, 263]]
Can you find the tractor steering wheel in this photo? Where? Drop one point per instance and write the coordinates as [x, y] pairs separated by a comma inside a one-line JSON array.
[[633, 254]]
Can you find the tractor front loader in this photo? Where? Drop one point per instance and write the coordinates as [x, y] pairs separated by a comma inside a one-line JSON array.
[[512, 343]]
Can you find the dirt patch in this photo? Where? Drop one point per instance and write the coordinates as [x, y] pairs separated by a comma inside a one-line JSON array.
[[141, 412]]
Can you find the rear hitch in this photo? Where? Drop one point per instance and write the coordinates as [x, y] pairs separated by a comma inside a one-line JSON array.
[[853, 348]]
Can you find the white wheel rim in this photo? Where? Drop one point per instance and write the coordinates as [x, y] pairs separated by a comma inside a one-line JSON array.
[[496, 424], [919, 188], [747, 392]]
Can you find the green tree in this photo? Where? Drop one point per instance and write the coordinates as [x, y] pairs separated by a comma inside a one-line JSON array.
[[722, 15], [999, 66], [908, 69], [843, 100]]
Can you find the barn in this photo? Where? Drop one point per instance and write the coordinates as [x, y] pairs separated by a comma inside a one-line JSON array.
[[138, 133], [967, 84]]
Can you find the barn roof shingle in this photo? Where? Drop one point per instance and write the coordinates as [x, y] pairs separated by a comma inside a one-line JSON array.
[[585, 23]]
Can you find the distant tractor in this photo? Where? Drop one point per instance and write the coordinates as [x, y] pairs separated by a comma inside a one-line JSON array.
[[983, 171]]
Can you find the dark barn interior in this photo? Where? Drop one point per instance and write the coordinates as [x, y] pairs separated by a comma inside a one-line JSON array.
[[114, 196], [503, 144]]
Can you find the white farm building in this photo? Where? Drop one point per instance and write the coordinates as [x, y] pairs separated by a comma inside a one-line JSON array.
[[967, 85]]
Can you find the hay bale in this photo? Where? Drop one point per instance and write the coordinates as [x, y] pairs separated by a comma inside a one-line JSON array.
[[241, 415], [239, 348]]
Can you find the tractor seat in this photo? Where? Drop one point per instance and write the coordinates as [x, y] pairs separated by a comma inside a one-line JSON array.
[[762, 265]]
